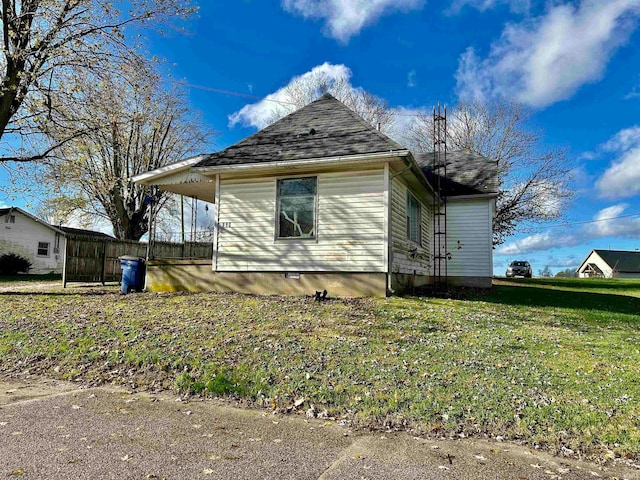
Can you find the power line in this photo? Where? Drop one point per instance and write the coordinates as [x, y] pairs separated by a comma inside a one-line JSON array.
[[262, 99], [569, 224]]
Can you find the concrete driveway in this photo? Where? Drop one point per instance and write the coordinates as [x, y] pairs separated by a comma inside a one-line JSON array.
[[52, 430]]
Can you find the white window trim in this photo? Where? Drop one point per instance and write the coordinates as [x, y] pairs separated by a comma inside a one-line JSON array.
[[38, 254]]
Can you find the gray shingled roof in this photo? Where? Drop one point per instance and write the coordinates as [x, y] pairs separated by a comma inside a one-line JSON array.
[[83, 232], [467, 173], [324, 128], [621, 260]]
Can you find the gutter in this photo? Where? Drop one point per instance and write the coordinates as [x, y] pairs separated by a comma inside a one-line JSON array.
[[368, 157], [166, 170]]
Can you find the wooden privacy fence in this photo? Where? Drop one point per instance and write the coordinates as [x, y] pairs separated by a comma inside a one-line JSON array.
[[93, 260]]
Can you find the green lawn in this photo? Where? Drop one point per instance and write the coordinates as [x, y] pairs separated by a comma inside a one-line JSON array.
[[549, 362]]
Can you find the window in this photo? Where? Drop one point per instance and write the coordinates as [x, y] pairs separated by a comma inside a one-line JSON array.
[[43, 249], [414, 227], [11, 219], [297, 208]]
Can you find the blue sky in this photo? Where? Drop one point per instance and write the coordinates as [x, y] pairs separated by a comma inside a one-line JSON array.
[[574, 63]]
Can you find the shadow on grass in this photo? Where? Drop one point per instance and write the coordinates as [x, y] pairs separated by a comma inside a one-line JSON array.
[[535, 295], [49, 277], [62, 293], [577, 283]]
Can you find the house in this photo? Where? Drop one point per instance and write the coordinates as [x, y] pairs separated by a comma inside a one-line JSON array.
[[25, 235], [322, 200], [41, 243], [610, 264]]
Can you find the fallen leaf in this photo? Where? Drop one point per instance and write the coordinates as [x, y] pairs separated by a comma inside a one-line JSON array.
[[17, 473], [207, 471]]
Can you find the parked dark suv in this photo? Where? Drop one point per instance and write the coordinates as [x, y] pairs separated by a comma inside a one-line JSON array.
[[519, 268]]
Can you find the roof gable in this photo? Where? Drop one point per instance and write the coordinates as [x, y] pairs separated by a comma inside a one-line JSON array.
[[621, 260], [324, 128], [8, 211]]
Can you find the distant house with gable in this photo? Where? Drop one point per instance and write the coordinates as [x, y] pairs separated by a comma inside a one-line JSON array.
[[611, 264]]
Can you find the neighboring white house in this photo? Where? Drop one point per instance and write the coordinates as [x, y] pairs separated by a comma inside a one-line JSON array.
[[25, 235], [321, 200], [610, 264], [39, 242]]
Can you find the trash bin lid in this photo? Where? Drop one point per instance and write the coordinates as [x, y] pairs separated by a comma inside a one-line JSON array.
[[130, 257]]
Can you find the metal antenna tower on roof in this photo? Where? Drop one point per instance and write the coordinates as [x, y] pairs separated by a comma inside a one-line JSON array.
[[440, 253]]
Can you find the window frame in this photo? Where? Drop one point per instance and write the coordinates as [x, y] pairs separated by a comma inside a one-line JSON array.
[[410, 196], [314, 237], [48, 254]]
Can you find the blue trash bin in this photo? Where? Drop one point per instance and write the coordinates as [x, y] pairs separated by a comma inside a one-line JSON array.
[[133, 270]]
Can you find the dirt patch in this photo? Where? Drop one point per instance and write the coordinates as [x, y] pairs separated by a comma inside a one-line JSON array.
[[12, 390]]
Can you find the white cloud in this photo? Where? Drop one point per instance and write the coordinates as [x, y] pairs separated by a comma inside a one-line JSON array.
[[273, 106], [346, 18], [622, 178], [605, 225], [548, 58], [262, 113], [411, 79], [516, 6], [623, 227], [570, 261], [538, 242]]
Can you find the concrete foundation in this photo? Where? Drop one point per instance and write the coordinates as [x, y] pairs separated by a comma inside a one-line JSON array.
[[197, 276], [404, 283]]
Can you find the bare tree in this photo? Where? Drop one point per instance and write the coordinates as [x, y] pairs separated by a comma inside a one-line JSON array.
[[44, 41], [305, 89], [130, 126], [533, 179]]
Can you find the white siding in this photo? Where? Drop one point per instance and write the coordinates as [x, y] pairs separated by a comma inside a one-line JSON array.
[[402, 262], [350, 236], [469, 227], [22, 238], [597, 259]]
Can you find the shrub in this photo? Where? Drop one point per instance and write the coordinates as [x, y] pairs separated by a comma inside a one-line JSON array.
[[12, 264]]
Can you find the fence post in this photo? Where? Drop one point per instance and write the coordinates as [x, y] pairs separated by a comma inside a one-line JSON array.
[[64, 262], [104, 262]]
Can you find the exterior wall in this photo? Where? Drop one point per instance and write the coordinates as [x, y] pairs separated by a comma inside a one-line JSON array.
[[350, 226], [595, 258], [196, 276], [469, 239], [410, 262], [628, 275], [22, 238]]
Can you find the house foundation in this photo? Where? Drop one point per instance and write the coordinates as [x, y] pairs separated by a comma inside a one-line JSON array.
[[197, 276]]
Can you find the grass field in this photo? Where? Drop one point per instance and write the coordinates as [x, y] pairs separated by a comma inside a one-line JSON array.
[[549, 362]]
